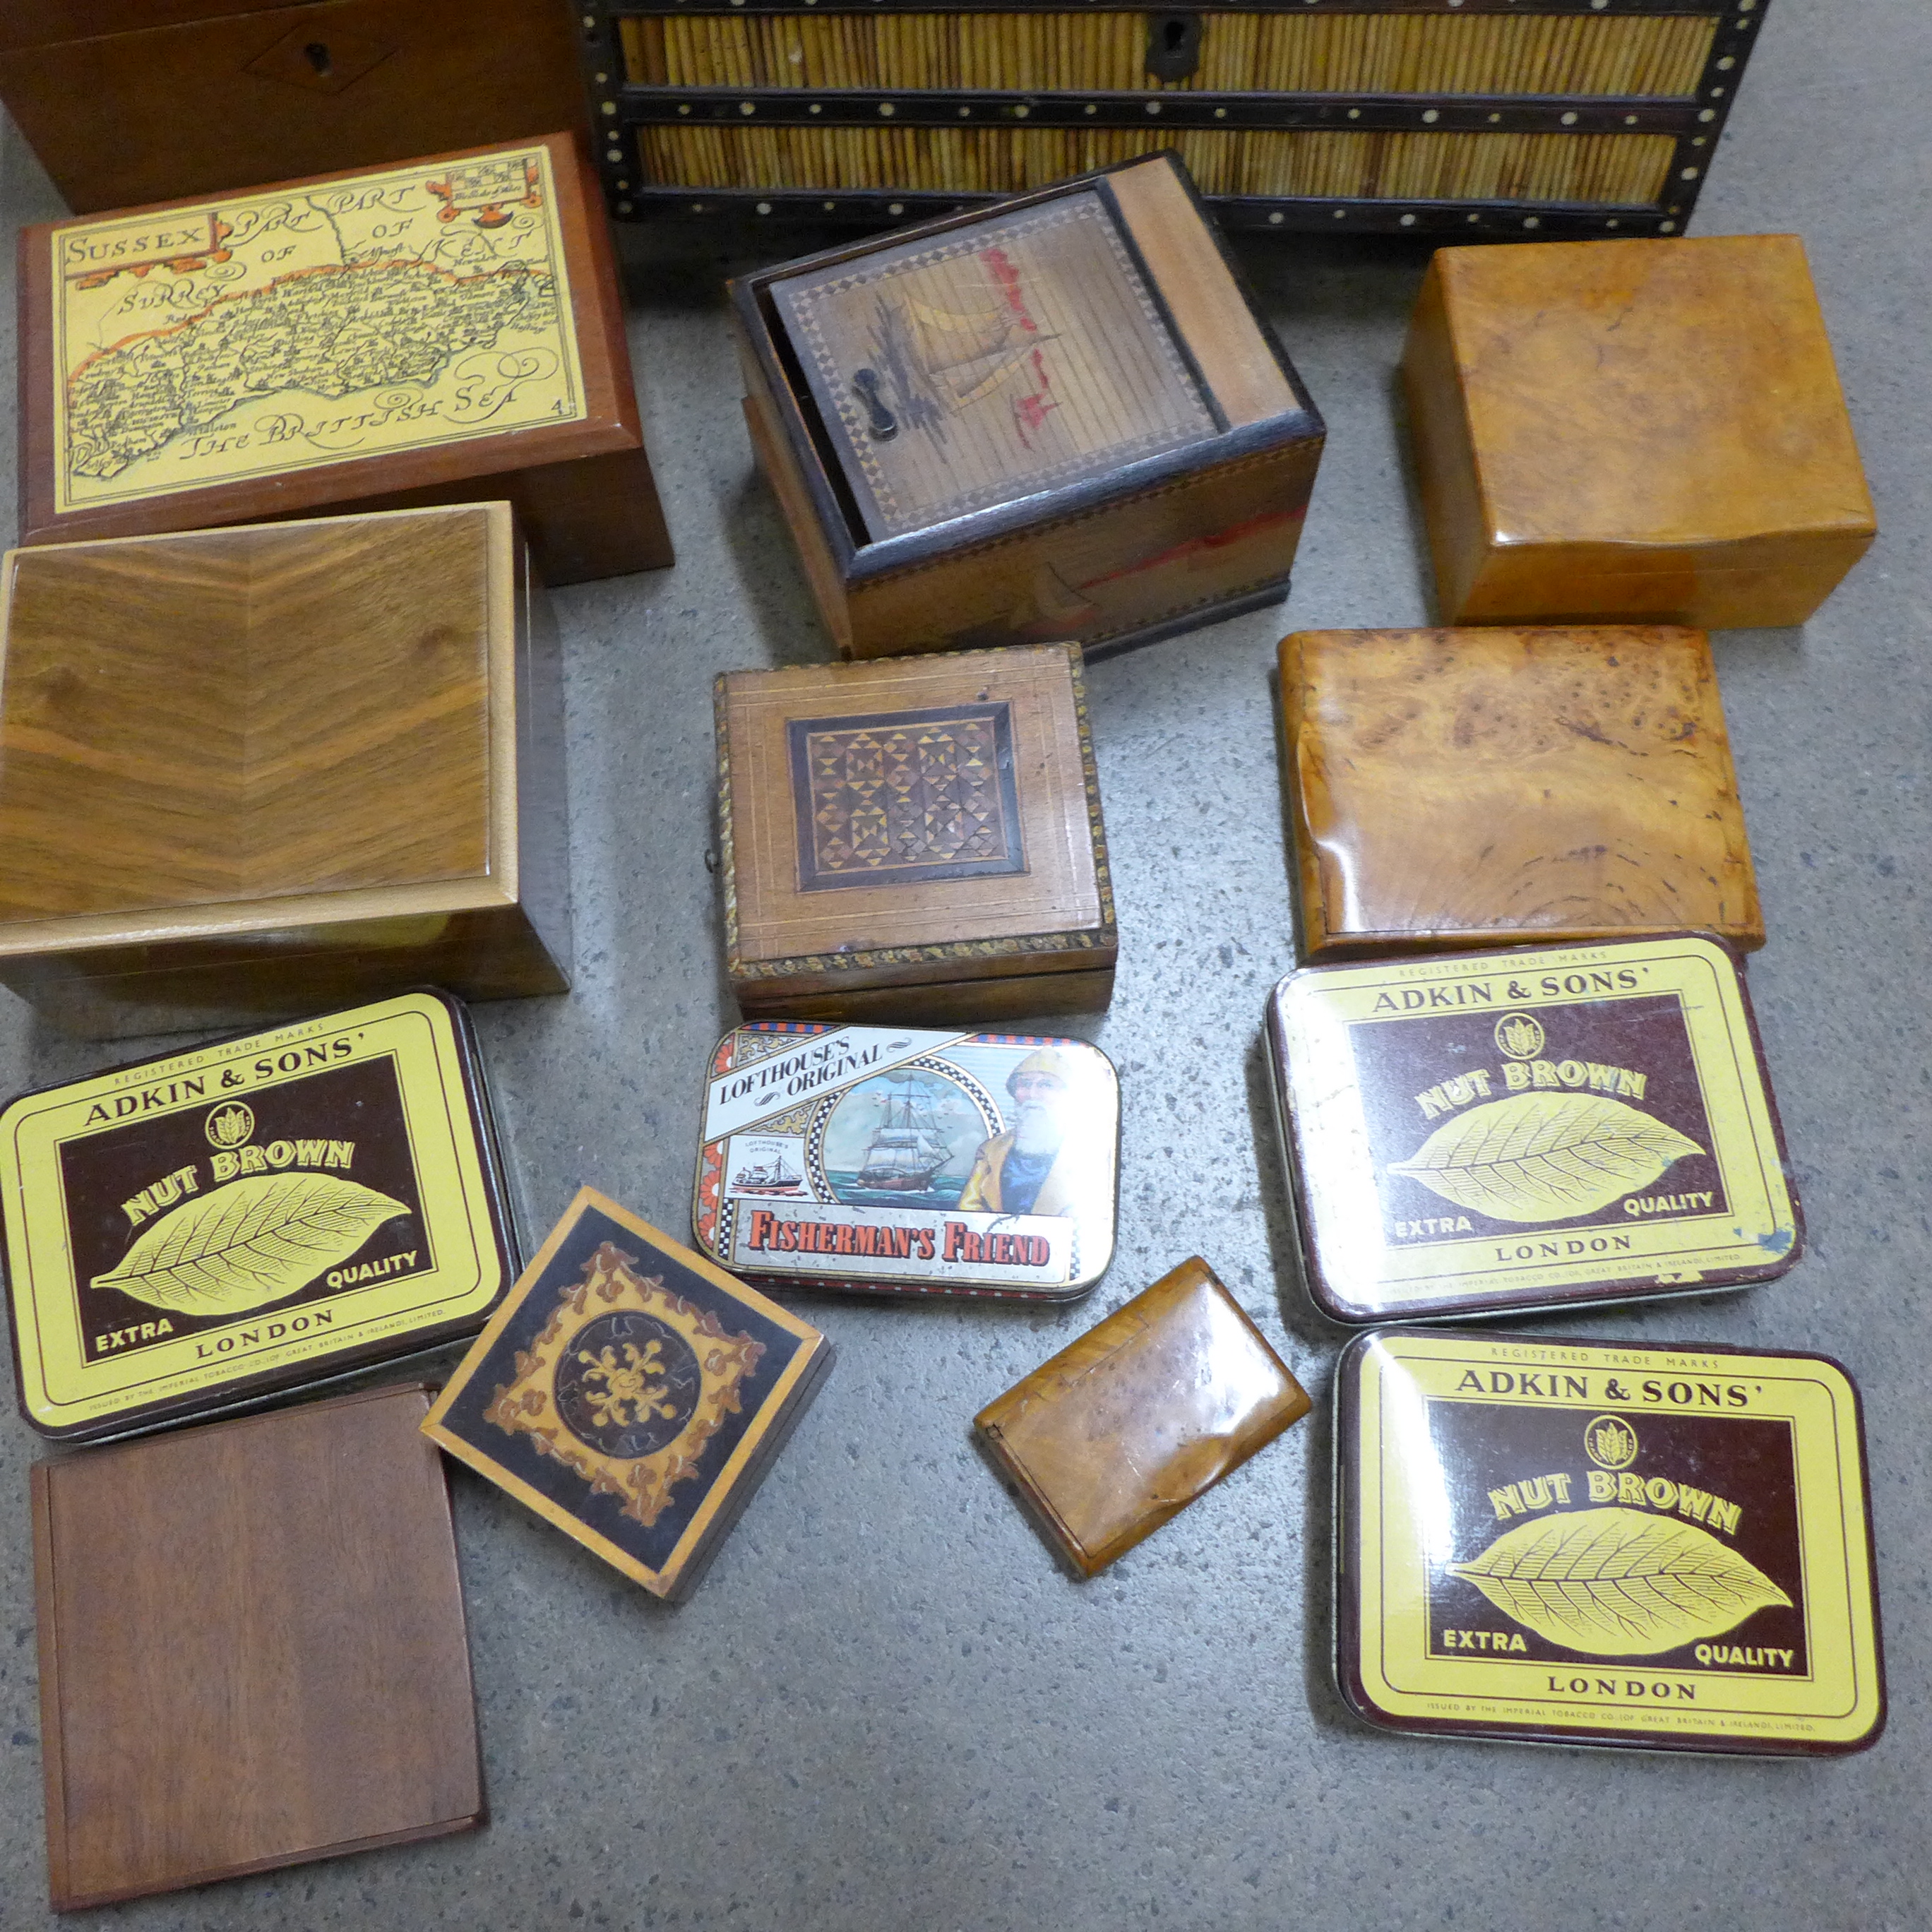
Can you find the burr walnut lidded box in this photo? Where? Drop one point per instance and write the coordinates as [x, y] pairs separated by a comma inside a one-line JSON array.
[[917, 839], [1061, 417]]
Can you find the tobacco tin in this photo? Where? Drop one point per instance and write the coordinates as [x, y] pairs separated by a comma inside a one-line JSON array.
[[1506, 1131], [207, 1228], [631, 1394], [1587, 1543], [888, 1160]]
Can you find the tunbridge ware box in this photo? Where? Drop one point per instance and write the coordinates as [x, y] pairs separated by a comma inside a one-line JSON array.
[[187, 1234], [447, 329], [1062, 419], [917, 840], [1532, 1129], [894, 1161], [1562, 1541], [248, 773], [1501, 118]]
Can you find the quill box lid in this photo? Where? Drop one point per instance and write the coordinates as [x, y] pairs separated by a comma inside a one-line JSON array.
[[1542, 1128], [1667, 1547], [189, 1233]]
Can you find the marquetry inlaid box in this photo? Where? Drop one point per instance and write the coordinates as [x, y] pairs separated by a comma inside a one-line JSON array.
[[1482, 786], [918, 839], [1650, 431], [251, 773], [1062, 419], [443, 330]]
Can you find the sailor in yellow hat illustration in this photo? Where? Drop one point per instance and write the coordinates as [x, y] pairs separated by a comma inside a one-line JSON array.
[[1022, 1171]]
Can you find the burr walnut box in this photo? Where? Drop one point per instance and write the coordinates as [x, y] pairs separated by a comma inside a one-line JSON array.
[[1472, 788], [1560, 1541], [248, 773], [447, 330], [1059, 417], [252, 1649], [631, 1394], [1651, 430], [914, 840], [1124, 1428]]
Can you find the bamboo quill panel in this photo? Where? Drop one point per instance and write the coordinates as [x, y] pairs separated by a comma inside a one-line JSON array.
[[1344, 53], [1614, 170]]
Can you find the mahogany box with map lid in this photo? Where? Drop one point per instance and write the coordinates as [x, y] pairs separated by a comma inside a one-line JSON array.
[[1059, 417], [444, 330]]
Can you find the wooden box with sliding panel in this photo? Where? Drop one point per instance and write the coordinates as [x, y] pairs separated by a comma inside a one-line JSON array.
[[251, 772], [1501, 117], [917, 840], [134, 100], [447, 330], [1060, 419], [1469, 788], [1649, 430]]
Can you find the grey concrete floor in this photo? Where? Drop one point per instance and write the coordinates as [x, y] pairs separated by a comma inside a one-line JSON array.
[[885, 1710]]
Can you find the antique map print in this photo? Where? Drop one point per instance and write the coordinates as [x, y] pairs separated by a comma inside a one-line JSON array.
[[411, 308]]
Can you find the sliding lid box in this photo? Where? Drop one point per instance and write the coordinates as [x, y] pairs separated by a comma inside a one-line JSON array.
[[1584, 1542], [200, 1230]]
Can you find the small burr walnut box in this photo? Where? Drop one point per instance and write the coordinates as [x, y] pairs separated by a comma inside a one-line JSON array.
[[1651, 430], [918, 839], [1061, 417], [1124, 1428], [1467, 787], [250, 773], [252, 1649], [440, 331]]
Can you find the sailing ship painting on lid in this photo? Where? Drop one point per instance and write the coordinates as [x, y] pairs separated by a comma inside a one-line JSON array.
[[892, 1160]]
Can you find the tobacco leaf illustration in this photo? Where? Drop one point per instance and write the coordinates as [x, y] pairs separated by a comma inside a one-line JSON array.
[[1545, 1156], [250, 1243], [1619, 1583]]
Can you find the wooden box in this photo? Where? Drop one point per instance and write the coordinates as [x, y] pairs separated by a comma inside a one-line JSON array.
[[1504, 118], [1125, 1428], [631, 1394], [133, 100], [1062, 419], [1648, 431], [915, 840], [251, 772], [447, 331], [1463, 788], [252, 1649]]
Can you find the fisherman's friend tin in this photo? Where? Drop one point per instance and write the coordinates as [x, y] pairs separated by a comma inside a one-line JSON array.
[[1589, 1542], [1507, 1132], [890, 1160], [196, 1231]]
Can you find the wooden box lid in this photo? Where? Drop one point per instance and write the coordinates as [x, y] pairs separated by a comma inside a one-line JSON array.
[[241, 730], [911, 821], [1452, 788], [1625, 405], [324, 341], [975, 375], [252, 1649]]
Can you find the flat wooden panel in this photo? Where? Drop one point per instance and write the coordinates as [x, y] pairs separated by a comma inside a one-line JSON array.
[[253, 1648], [1057, 892], [937, 1002], [1453, 787], [241, 714]]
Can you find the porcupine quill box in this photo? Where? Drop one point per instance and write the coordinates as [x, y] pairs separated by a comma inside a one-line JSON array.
[[252, 1649], [446, 330], [1124, 1429], [1587, 1543], [1546, 1128], [631, 1394], [1061, 417], [918, 840], [898, 1162], [226, 1222]]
